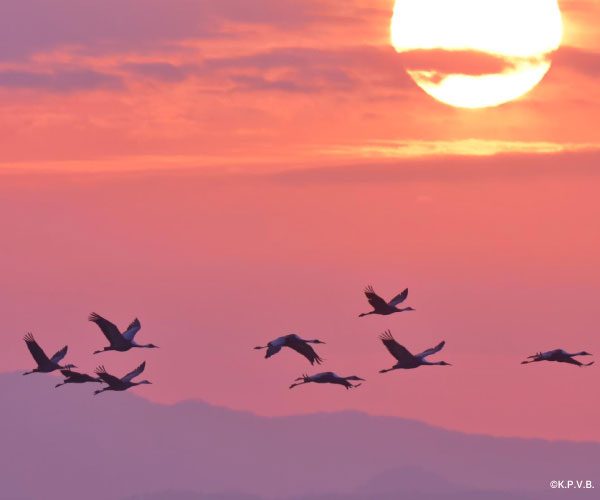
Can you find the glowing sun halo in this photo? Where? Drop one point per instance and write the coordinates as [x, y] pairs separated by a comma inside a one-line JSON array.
[[521, 32]]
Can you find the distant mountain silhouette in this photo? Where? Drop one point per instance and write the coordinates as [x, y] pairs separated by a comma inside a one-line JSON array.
[[189, 495], [410, 483], [409, 479], [456, 494], [65, 444]]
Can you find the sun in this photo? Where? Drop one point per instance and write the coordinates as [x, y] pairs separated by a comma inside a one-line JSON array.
[[521, 32]]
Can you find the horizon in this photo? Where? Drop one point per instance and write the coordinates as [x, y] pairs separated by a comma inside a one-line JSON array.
[[182, 402]]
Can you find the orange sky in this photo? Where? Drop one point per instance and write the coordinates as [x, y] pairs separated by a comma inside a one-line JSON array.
[[97, 84], [284, 160]]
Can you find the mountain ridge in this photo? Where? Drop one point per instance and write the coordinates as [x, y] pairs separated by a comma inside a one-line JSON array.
[[124, 445]]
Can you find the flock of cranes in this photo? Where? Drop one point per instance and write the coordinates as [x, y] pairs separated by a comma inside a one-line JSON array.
[[405, 360], [118, 342], [124, 341]]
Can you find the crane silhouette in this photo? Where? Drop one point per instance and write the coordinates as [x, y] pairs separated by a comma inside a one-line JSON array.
[[382, 307], [327, 378], [120, 384], [72, 377], [405, 359], [296, 343], [44, 364], [560, 356], [118, 341]]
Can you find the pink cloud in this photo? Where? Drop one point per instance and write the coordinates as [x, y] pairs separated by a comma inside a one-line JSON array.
[[32, 26], [466, 62], [581, 61], [69, 80]]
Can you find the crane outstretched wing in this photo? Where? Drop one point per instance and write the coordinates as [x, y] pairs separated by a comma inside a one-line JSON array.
[[36, 351], [107, 377], [58, 355], [134, 373], [571, 361], [432, 350], [132, 329], [398, 299], [375, 300], [110, 331], [305, 349], [400, 352]]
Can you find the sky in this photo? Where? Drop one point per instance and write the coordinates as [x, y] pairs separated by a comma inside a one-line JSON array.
[[229, 172]]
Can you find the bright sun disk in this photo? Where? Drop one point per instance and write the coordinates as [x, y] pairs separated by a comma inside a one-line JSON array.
[[523, 32]]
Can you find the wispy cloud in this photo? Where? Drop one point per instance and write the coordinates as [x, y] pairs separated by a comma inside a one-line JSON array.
[[32, 26], [161, 70], [60, 80], [584, 62], [462, 147], [465, 62]]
